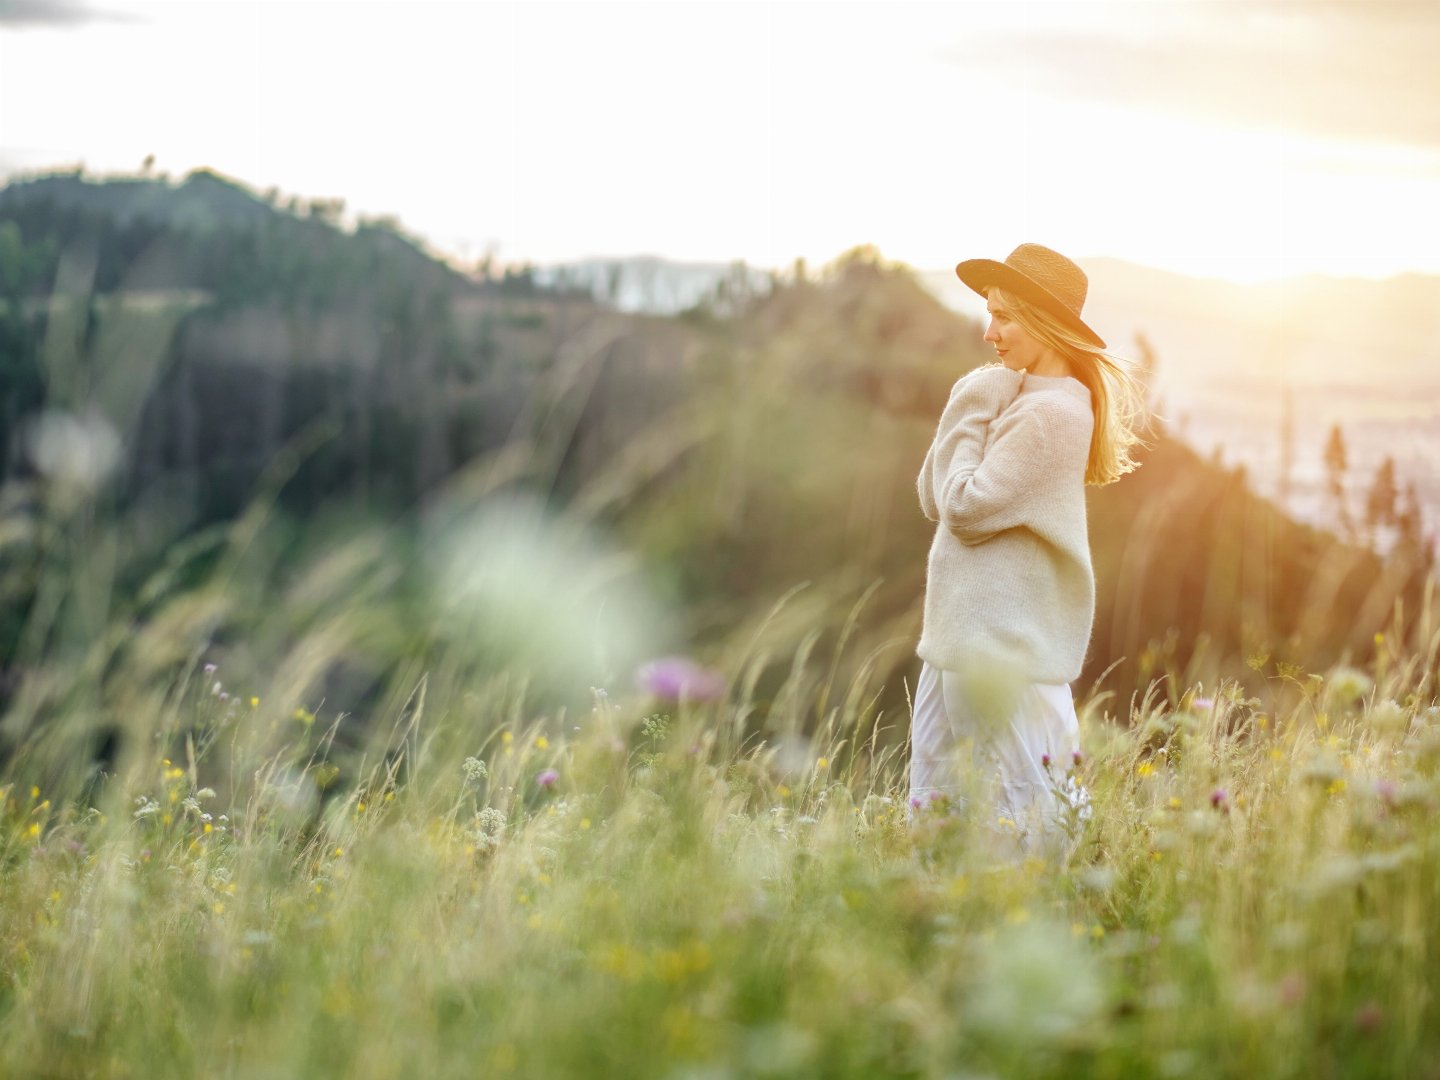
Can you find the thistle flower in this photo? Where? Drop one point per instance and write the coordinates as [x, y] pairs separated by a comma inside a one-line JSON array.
[[674, 677], [209, 669], [1220, 800], [547, 778]]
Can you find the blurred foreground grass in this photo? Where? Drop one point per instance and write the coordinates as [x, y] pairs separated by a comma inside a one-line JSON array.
[[639, 892]]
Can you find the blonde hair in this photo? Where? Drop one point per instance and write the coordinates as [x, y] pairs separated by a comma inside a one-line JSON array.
[[1117, 396]]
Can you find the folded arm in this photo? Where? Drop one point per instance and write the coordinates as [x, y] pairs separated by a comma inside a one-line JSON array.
[[1002, 490], [975, 401]]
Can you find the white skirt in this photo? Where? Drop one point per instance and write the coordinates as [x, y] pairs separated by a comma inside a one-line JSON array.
[[1021, 767]]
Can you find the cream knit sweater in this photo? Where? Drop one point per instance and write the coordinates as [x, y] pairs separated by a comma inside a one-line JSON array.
[[1009, 580]]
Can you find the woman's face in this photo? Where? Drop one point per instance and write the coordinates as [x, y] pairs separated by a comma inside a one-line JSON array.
[[1013, 344]]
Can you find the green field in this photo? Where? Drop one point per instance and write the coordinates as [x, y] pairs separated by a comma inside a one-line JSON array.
[[1253, 894]]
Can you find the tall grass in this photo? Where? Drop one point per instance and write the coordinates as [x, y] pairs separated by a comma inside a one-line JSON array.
[[653, 888]]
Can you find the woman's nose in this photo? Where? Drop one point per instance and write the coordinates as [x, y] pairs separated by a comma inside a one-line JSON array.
[[990, 334]]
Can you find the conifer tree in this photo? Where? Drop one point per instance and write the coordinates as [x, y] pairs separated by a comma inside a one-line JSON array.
[[1335, 466], [1380, 502]]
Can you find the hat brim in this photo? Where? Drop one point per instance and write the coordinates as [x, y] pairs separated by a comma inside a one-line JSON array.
[[980, 274]]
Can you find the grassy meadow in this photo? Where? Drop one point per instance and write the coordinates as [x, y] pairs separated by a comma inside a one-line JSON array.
[[642, 888]]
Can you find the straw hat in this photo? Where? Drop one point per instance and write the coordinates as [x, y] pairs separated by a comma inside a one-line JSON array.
[[1045, 278]]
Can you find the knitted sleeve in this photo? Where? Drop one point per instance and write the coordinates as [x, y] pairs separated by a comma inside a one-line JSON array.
[[1012, 485], [975, 400]]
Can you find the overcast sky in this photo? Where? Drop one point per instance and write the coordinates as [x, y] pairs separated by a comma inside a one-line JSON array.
[[1240, 139]]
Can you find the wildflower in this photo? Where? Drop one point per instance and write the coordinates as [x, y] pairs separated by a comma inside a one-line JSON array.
[[1220, 800], [675, 677], [1386, 790], [1369, 1016], [474, 770], [1292, 988], [1348, 685], [542, 743], [1144, 768], [1389, 717], [1075, 758], [916, 802], [547, 778], [209, 669], [254, 702], [822, 764], [1202, 704]]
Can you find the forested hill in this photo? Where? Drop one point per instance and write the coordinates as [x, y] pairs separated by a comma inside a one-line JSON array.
[[765, 439]]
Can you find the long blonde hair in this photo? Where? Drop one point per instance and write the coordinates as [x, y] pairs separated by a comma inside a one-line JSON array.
[[1117, 396]]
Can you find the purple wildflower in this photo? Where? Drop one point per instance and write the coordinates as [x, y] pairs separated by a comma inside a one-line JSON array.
[[1369, 1017], [1075, 758], [1045, 760], [1202, 704], [547, 778], [1219, 799], [916, 802], [674, 677], [1292, 988], [209, 669]]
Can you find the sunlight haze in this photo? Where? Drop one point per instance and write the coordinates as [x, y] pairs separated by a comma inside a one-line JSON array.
[[1213, 139]]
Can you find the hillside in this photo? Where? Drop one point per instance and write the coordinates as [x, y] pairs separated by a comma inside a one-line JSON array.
[[759, 442]]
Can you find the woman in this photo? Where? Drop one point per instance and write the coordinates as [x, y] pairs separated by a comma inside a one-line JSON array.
[[1010, 592]]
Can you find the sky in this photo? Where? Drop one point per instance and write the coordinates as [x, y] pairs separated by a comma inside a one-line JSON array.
[[1242, 139]]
